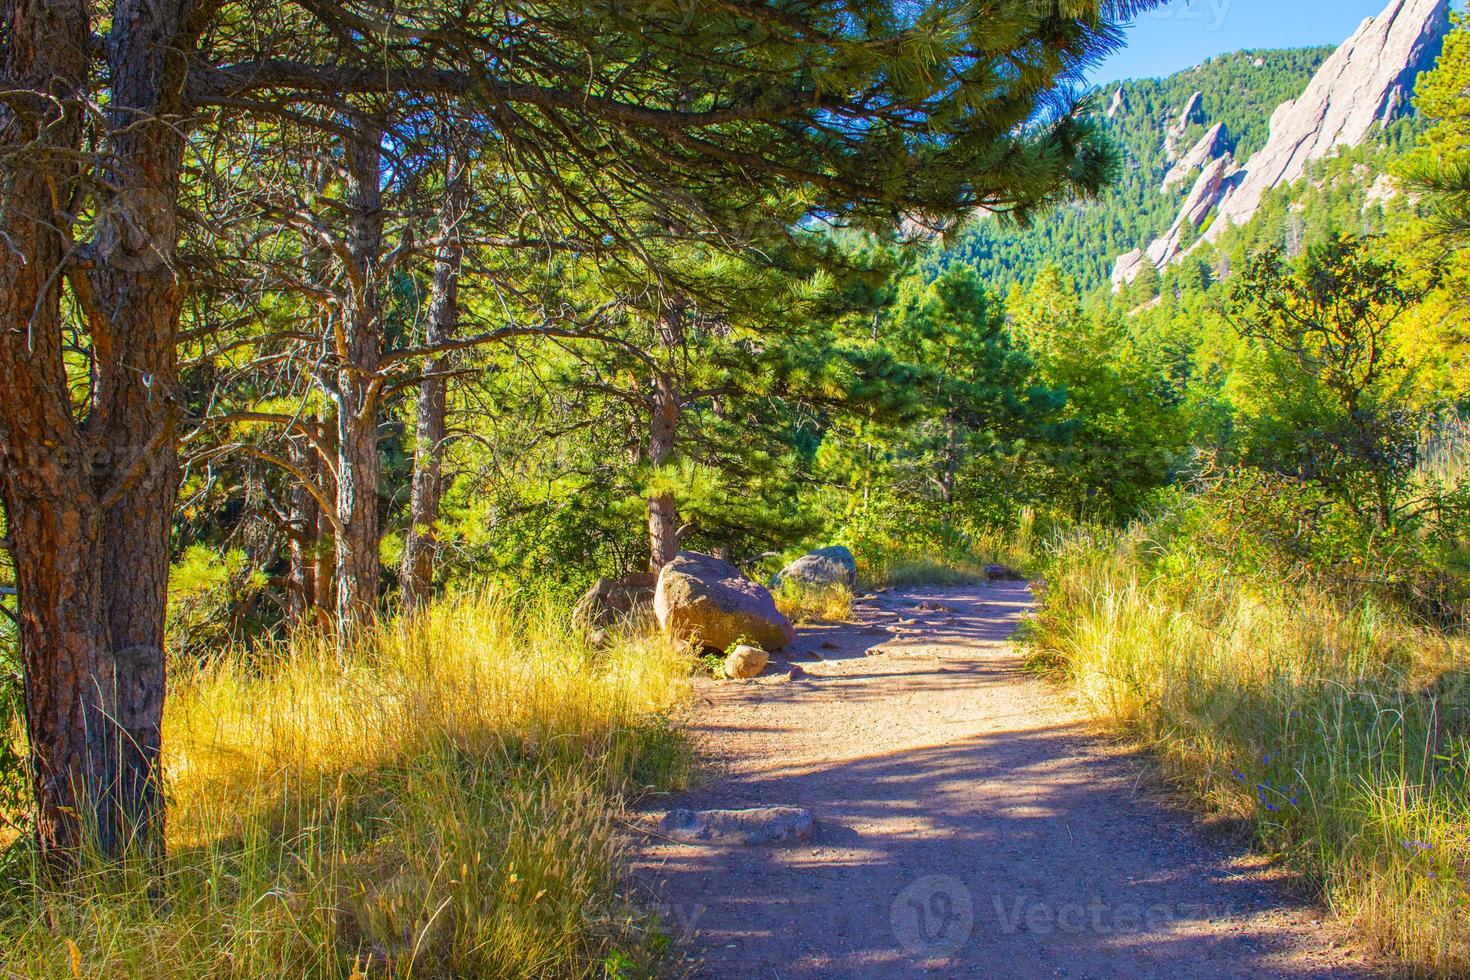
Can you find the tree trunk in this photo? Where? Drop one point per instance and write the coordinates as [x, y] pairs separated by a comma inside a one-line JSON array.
[[303, 522], [325, 575], [139, 467], [45, 465], [663, 510], [421, 548], [358, 385], [89, 503]]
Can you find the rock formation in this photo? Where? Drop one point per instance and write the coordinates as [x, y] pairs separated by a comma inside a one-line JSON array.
[[614, 602], [745, 662], [1364, 84], [1213, 185], [1119, 103], [753, 827], [1191, 113], [1127, 267], [1212, 146], [823, 567]]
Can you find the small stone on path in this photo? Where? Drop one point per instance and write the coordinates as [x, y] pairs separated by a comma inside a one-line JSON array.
[[753, 827]]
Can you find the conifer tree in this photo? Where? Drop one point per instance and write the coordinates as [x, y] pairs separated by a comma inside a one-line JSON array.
[[869, 112]]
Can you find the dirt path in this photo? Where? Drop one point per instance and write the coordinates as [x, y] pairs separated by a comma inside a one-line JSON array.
[[968, 825]]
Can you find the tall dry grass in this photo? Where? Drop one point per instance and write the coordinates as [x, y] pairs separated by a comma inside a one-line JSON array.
[[1339, 732], [811, 603], [443, 799]]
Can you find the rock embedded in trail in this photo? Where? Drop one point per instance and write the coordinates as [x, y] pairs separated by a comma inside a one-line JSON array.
[[825, 566], [762, 825], [745, 662], [710, 602]]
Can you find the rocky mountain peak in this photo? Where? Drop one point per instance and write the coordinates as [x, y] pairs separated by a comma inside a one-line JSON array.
[[1192, 112], [1366, 83], [1119, 103], [1213, 145]]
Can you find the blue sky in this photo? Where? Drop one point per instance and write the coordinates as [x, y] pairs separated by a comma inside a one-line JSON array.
[[1182, 33]]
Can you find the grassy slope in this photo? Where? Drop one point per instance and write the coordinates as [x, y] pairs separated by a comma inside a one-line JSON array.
[[441, 800], [1339, 733]]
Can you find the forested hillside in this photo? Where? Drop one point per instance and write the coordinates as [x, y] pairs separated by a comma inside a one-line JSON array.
[[1082, 239], [404, 407]]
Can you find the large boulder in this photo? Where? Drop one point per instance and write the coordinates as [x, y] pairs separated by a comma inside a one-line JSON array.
[[709, 602], [825, 566], [614, 602]]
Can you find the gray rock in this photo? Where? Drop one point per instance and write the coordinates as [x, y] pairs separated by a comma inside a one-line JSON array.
[[1119, 103], [1127, 267], [709, 602], [762, 825], [1360, 87], [1191, 113], [1211, 146], [1213, 185], [825, 566], [614, 601], [1363, 85]]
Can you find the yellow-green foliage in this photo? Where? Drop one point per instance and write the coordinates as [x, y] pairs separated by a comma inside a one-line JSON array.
[[894, 555], [1340, 732], [802, 603], [440, 800]]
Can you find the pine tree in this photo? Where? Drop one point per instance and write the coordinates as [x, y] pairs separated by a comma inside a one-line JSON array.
[[1440, 169]]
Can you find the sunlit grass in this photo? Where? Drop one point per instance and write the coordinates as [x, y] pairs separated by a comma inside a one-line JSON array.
[[900, 560], [441, 800], [803, 603], [1341, 733]]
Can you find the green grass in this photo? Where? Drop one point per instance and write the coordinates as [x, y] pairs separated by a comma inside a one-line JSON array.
[[442, 800], [1342, 734]]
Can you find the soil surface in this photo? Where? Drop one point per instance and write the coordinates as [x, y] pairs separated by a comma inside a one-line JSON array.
[[968, 824]]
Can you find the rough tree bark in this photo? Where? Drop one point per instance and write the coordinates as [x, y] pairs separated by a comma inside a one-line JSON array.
[[663, 432], [421, 548], [663, 508], [301, 529], [358, 384], [326, 545], [89, 495]]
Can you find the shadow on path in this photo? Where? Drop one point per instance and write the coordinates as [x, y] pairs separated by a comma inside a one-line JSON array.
[[967, 826]]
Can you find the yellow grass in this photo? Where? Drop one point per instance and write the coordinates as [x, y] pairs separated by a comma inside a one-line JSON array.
[[1338, 732], [814, 603], [441, 800]]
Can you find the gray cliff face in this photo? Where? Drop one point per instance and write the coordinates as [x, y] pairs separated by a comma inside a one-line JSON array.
[[1213, 184], [1211, 147], [1366, 83], [1120, 102], [1192, 112]]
